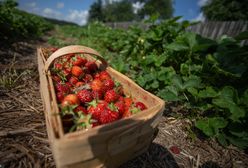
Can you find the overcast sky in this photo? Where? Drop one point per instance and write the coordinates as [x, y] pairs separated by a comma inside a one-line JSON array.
[[77, 10]]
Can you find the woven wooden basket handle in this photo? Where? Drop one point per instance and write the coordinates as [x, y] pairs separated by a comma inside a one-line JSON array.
[[73, 49]]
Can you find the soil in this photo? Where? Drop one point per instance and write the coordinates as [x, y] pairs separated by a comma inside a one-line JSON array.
[[23, 137]]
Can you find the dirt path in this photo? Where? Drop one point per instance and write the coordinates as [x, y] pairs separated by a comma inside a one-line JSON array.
[[23, 138]]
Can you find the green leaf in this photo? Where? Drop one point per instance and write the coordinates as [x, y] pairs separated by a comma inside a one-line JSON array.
[[242, 36], [193, 81], [244, 98], [193, 91], [177, 81], [222, 139], [211, 126], [177, 46], [169, 93], [237, 112], [191, 39], [239, 142], [207, 93]]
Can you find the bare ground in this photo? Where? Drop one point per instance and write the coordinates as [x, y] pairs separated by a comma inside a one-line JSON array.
[[23, 138]]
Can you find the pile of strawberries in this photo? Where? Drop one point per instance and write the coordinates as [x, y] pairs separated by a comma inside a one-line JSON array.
[[87, 96]]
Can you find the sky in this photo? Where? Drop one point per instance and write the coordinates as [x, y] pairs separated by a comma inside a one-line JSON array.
[[77, 10]]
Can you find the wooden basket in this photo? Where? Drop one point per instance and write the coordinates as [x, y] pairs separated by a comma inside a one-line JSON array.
[[108, 145]]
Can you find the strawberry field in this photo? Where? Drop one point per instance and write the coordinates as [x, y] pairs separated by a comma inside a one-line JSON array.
[[203, 81]]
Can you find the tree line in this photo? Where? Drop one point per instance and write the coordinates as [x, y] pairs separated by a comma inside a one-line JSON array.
[[122, 10]]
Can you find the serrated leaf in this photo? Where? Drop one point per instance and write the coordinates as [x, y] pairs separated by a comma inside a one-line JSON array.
[[239, 142], [169, 94], [211, 126], [193, 91], [222, 140], [237, 112], [192, 82], [207, 93], [177, 81]]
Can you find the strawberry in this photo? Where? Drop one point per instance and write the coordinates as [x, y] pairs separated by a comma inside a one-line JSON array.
[[87, 78], [60, 96], [96, 85], [85, 96], [91, 66], [127, 113], [140, 105], [108, 115], [128, 102], [97, 94], [77, 71], [95, 109], [97, 76], [104, 75], [58, 66], [78, 60], [69, 84], [66, 73], [73, 80], [79, 84], [120, 105], [80, 109], [72, 99], [60, 87], [53, 49], [108, 84], [111, 96]]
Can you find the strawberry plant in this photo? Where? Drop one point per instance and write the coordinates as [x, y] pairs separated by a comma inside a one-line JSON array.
[[208, 76]]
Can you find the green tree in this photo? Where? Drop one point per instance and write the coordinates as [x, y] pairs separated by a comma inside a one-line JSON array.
[[162, 7], [226, 10], [95, 12], [118, 11]]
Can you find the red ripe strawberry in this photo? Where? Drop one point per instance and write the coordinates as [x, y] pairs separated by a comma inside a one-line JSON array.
[[108, 84], [78, 61], [68, 57], [69, 84], [111, 96], [79, 84], [95, 109], [77, 71], [85, 96], [53, 49], [87, 78], [120, 105], [60, 96], [58, 66], [72, 99], [97, 94], [127, 113], [96, 84], [104, 75], [80, 109], [60, 87], [96, 123], [128, 102], [97, 76], [140, 105], [66, 73], [108, 116], [91, 66], [73, 80]]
